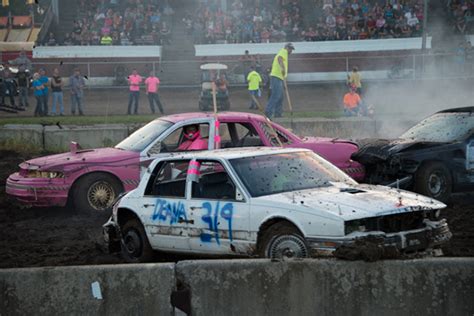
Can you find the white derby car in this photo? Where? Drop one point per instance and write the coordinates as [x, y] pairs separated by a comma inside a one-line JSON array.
[[264, 201]]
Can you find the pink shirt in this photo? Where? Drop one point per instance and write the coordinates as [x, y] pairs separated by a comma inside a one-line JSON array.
[[197, 144], [152, 84], [134, 81]]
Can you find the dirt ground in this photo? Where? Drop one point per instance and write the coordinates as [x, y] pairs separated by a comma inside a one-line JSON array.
[[59, 236]]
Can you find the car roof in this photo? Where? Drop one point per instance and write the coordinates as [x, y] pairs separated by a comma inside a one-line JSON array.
[[232, 153], [468, 109], [175, 118]]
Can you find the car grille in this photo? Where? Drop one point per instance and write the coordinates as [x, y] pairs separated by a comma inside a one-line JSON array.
[[387, 224]]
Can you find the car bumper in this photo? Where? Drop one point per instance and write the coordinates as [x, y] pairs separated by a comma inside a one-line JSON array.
[[434, 233], [112, 236], [37, 191]]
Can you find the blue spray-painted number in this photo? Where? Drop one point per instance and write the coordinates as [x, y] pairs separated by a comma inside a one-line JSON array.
[[172, 211], [212, 219]]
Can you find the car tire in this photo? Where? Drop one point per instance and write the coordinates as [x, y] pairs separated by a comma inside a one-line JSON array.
[[96, 192], [282, 241], [135, 247], [433, 179]]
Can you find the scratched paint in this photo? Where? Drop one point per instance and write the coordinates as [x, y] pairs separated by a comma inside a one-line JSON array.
[[169, 211], [212, 217]]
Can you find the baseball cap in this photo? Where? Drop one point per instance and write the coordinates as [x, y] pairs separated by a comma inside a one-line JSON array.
[[290, 46]]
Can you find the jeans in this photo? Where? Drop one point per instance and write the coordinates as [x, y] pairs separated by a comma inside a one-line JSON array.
[[39, 105], [255, 93], [154, 98], [133, 98], [76, 100], [45, 102], [275, 103], [57, 98], [23, 93]]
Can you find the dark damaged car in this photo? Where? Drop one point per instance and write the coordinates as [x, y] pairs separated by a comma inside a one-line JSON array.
[[435, 157]]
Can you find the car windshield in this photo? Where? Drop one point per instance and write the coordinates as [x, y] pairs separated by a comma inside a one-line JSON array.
[[143, 137], [276, 173], [441, 127]]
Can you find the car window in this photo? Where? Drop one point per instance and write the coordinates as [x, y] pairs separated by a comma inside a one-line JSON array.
[[238, 135], [269, 134], [168, 179], [175, 141], [211, 182], [144, 136]]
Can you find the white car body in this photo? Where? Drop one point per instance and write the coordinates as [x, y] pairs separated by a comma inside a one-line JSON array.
[[232, 226]]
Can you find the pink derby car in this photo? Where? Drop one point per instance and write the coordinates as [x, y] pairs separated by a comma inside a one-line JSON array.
[[93, 178]]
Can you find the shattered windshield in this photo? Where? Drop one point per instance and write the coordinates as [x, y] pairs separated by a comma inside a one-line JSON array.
[[271, 174], [441, 127], [143, 137]]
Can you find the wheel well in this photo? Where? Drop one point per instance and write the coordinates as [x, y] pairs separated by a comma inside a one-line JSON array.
[[125, 214], [425, 162], [271, 222], [73, 186]]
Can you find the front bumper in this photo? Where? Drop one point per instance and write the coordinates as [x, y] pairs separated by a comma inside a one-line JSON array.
[[112, 236], [434, 233], [37, 191]]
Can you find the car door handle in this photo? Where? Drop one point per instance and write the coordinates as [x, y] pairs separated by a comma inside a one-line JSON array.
[[182, 220], [147, 205], [193, 208]]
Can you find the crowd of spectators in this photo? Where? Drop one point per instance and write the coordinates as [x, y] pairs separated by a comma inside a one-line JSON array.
[[297, 20], [118, 22], [461, 14]]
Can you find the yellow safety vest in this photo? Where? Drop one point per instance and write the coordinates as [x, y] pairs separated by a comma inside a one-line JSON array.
[[254, 80], [106, 40], [276, 69]]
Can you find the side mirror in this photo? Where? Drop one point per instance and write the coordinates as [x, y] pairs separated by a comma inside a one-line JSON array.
[[156, 149]]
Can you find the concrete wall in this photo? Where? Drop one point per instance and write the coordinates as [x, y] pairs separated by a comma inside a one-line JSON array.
[[435, 286], [54, 138], [125, 290]]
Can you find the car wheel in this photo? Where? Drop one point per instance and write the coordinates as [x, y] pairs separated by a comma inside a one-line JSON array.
[[134, 244], [96, 192], [282, 241], [433, 179]]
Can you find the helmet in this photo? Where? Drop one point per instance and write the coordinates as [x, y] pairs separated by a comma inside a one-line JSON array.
[[191, 135]]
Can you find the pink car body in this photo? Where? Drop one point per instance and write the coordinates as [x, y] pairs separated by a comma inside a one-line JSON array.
[[93, 178]]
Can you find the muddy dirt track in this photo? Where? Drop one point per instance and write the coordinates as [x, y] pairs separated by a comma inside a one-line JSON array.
[[59, 236]]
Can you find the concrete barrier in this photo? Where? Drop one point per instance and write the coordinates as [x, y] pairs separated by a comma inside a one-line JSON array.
[[436, 286], [55, 138], [440, 286], [125, 290]]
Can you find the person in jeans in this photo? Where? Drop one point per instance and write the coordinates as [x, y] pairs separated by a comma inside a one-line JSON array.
[[152, 83], [38, 92], [57, 89], [23, 78], [278, 74], [44, 80], [77, 84], [134, 81]]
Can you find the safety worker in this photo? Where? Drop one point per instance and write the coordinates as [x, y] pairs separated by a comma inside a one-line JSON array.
[[278, 74], [106, 40], [352, 102], [193, 139], [254, 82], [354, 80]]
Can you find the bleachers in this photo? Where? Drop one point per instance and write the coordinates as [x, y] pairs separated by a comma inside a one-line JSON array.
[[3, 34], [34, 34], [18, 35]]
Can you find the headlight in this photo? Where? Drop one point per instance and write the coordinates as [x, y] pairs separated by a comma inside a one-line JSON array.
[[45, 174], [355, 226]]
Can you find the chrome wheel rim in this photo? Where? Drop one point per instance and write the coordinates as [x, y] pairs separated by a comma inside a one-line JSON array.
[[100, 195], [436, 183], [287, 247]]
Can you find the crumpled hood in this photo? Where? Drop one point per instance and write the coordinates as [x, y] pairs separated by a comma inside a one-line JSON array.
[[83, 157], [348, 203], [382, 149]]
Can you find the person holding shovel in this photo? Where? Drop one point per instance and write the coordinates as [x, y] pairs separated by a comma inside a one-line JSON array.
[[278, 75]]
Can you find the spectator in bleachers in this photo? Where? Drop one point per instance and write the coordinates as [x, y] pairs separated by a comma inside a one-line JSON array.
[[51, 40]]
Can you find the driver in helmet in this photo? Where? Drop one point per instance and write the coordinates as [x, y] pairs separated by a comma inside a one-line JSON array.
[[193, 140]]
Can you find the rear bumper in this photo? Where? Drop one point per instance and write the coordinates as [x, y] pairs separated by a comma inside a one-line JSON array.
[[434, 233], [37, 191]]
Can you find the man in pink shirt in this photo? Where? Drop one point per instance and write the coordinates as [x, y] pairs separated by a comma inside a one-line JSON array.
[[152, 83], [134, 81]]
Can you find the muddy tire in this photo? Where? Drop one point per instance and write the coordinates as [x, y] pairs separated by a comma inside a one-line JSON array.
[[433, 179], [282, 241], [134, 244], [96, 192]]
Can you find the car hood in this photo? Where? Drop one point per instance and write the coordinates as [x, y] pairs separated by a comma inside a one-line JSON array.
[[83, 157], [381, 149], [348, 203]]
